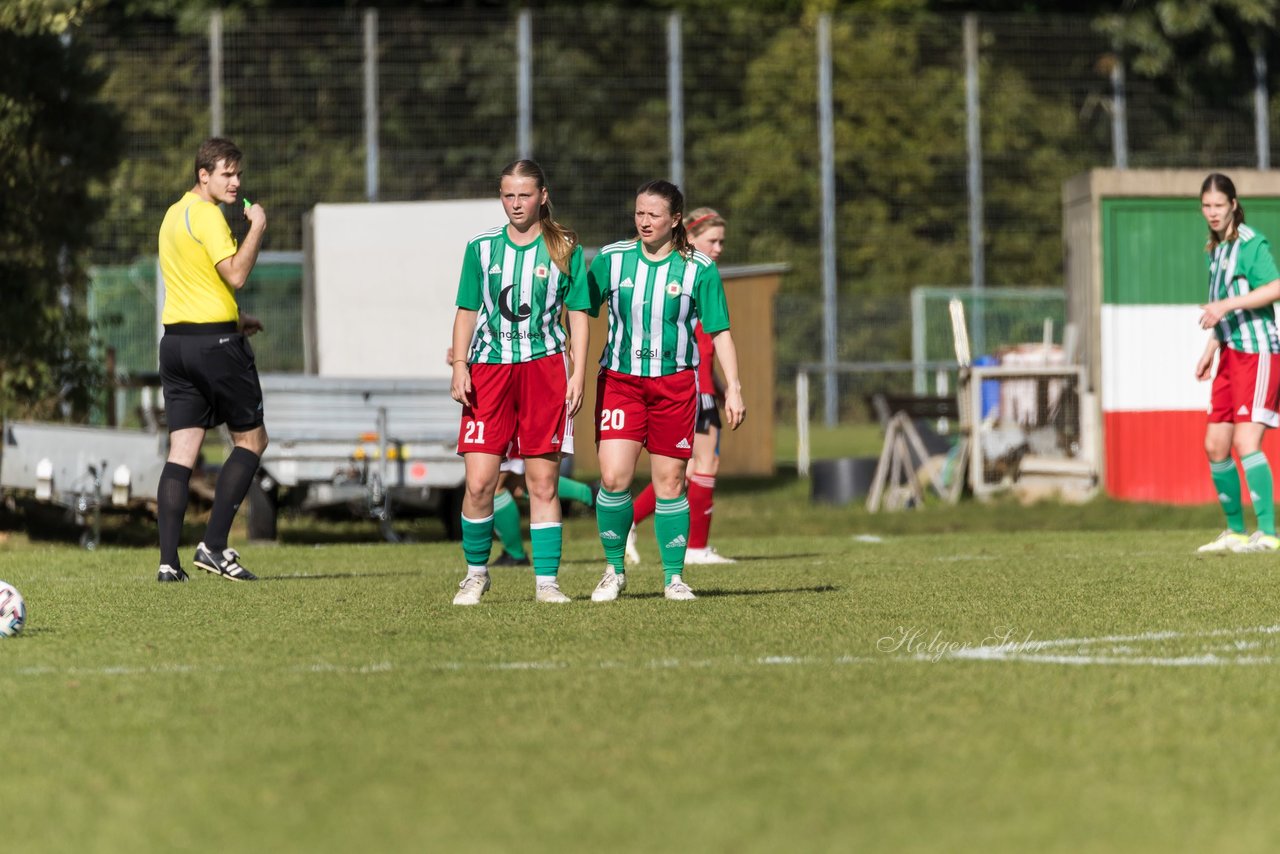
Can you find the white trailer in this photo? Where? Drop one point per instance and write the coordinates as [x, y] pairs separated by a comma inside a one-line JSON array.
[[374, 445], [84, 470]]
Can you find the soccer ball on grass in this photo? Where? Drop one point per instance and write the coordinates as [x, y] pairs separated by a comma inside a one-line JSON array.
[[13, 611]]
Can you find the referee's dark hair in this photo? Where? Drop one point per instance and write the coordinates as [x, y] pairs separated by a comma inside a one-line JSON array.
[[212, 151]]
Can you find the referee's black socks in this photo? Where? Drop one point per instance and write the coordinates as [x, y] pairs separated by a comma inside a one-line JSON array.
[[171, 507], [233, 484]]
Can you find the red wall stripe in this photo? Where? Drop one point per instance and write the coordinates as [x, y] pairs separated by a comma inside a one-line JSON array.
[[1159, 457]]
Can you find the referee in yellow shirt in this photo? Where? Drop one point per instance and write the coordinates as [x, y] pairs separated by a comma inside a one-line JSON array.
[[207, 368]]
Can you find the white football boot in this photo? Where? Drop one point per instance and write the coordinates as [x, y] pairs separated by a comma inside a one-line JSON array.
[[549, 591], [678, 591], [471, 588], [611, 584], [1225, 543], [704, 556]]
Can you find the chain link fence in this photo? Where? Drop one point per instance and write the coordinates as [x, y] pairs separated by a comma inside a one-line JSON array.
[[447, 111]]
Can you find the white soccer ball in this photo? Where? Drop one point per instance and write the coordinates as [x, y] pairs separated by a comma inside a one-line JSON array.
[[13, 611]]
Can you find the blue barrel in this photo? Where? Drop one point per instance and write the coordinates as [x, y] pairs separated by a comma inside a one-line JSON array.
[[990, 388]]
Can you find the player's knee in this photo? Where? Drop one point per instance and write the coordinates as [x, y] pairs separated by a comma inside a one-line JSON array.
[[1245, 445], [669, 485], [541, 490], [254, 441]]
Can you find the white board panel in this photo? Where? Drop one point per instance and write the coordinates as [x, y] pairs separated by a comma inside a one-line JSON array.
[[1149, 355], [383, 281]]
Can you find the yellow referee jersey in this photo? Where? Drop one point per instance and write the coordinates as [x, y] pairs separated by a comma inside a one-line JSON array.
[[194, 238]]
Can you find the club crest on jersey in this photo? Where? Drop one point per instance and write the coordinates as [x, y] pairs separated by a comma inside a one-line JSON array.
[[673, 288], [540, 271]]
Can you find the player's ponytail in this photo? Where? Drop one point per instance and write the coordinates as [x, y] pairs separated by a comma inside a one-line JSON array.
[[560, 239], [675, 204]]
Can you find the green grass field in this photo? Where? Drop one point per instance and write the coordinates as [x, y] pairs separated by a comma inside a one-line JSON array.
[[981, 678]]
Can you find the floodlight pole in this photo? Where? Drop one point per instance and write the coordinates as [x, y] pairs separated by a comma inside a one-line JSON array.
[[675, 99], [977, 259], [826, 133], [1262, 132], [215, 73], [1119, 114], [524, 84], [371, 104]]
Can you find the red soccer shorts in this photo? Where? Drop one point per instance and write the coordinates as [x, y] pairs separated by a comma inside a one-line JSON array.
[[1246, 388], [523, 403], [658, 412]]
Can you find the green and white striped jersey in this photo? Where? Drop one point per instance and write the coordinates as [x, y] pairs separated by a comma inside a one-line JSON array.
[[1235, 268], [518, 294], [653, 306]]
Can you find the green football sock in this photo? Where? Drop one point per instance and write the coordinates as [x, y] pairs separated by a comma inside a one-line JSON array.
[[575, 491], [545, 540], [506, 521], [1227, 483], [671, 525], [477, 540], [1257, 473], [613, 519]]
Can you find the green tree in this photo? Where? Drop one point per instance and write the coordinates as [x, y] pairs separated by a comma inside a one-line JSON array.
[[58, 144]]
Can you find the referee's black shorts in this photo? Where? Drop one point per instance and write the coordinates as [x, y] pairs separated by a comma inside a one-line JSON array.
[[708, 414], [209, 377]]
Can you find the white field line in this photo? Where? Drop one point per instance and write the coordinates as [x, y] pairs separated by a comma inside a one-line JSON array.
[[382, 667], [1111, 650], [1106, 650]]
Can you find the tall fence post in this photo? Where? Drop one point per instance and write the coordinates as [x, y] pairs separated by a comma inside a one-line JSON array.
[[918, 344], [1261, 117], [973, 124], [1119, 114], [802, 423], [524, 84], [826, 133], [215, 73], [371, 104], [675, 99]]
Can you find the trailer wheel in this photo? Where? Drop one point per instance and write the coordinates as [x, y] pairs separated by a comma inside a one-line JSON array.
[[264, 503]]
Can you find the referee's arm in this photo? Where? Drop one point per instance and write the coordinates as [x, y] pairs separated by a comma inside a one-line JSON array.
[[235, 269]]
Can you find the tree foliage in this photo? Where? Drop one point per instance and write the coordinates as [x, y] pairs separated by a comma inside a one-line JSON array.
[[58, 142]]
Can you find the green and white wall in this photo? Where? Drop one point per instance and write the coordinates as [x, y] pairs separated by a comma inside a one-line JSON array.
[[1136, 277]]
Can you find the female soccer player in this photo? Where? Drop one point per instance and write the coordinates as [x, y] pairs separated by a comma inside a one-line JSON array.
[[655, 287], [706, 232], [516, 384], [1243, 284]]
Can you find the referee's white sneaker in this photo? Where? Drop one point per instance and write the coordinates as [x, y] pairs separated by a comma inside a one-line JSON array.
[[549, 591], [611, 584], [633, 553], [471, 588], [1225, 543], [706, 556], [677, 590]]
